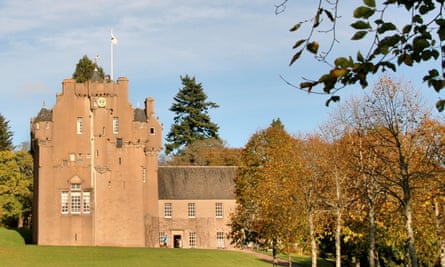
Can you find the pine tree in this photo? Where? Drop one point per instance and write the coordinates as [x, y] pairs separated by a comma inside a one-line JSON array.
[[5, 135], [192, 121], [85, 70]]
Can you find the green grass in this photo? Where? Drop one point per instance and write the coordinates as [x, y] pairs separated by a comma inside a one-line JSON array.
[[14, 252]]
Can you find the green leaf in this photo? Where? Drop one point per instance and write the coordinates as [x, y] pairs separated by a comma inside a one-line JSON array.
[[305, 85], [370, 3], [341, 62], [441, 32], [407, 29], [295, 57], [312, 47], [360, 57], [329, 15], [420, 44], [440, 105], [298, 43], [361, 25], [387, 26], [359, 35], [295, 27], [363, 12], [334, 98]]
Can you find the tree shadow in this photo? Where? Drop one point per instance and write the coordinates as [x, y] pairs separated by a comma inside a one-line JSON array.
[[25, 233]]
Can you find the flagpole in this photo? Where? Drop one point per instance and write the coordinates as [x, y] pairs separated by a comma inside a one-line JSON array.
[[112, 58]]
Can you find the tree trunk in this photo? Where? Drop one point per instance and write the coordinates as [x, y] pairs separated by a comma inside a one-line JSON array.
[[439, 232], [371, 244], [313, 241], [411, 239], [338, 239]]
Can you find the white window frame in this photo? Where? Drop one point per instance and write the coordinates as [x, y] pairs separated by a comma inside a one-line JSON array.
[[86, 202], [115, 125], [192, 240], [64, 209], [79, 125], [219, 210], [220, 239], [76, 200], [191, 210], [168, 210]]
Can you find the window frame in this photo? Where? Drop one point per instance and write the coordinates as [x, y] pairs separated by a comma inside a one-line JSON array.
[[220, 240], [115, 125], [191, 210], [168, 210], [79, 125], [192, 240], [219, 210]]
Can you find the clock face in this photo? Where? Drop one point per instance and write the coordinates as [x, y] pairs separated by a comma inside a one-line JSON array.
[[101, 102]]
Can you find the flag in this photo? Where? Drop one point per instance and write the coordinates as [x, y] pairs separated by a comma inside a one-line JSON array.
[[113, 39]]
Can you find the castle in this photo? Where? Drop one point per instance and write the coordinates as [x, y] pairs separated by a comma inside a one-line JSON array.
[[97, 181]]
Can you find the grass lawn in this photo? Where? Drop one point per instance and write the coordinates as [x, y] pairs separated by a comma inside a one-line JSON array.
[[14, 252]]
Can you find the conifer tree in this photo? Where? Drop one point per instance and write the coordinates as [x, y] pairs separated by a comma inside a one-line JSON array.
[[85, 70], [191, 121], [5, 135]]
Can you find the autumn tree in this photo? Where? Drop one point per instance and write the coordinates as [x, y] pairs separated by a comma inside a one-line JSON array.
[[393, 42], [85, 70], [314, 186], [268, 211], [207, 152], [394, 116], [191, 121], [5, 135]]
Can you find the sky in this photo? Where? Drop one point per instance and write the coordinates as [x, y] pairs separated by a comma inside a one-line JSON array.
[[237, 50]]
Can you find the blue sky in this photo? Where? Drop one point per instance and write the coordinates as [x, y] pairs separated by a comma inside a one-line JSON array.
[[236, 49]]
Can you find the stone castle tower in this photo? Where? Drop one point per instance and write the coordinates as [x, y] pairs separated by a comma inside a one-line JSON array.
[[96, 168]]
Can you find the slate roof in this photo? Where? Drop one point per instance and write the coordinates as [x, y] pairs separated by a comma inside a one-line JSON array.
[[139, 115], [196, 182], [44, 115]]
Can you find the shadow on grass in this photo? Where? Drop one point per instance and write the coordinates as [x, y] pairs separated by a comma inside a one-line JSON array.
[[25, 233]]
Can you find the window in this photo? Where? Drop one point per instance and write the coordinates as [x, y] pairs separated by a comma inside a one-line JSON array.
[[86, 202], [220, 239], [152, 130], [75, 202], [119, 142], [79, 125], [168, 210], [64, 198], [115, 125], [144, 175], [192, 240], [75, 187], [161, 238], [191, 210], [219, 210]]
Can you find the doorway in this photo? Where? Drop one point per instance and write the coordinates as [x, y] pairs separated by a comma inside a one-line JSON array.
[[177, 241]]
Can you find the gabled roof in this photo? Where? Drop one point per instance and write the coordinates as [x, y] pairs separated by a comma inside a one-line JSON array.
[[196, 183], [139, 115]]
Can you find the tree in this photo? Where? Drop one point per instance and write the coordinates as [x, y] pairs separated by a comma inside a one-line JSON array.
[[5, 135], [207, 152], [268, 211], [86, 69], [15, 187], [392, 43], [395, 117], [191, 121]]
